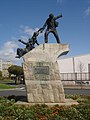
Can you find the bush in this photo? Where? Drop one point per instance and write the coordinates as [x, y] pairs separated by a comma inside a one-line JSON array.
[[0, 73], [9, 111]]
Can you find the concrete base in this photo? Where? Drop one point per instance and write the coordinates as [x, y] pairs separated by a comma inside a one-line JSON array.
[[42, 76], [68, 102]]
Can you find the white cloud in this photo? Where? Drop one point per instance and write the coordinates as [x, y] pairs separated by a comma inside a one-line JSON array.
[[9, 49], [28, 30], [8, 52], [25, 38], [87, 11]]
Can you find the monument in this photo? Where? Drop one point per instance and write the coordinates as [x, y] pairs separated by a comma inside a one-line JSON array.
[[41, 71], [42, 76], [51, 24]]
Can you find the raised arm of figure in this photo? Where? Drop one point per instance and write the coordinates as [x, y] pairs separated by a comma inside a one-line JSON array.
[[22, 42], [60, 15]]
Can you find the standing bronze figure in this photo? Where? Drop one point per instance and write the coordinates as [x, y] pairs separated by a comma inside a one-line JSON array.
[[51, 24]]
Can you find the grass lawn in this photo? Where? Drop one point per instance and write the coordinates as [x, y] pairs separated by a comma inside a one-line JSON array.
[[6, 80], [4, 86]]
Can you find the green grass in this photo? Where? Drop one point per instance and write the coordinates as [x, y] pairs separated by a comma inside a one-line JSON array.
[[4, 86], [6, 80]]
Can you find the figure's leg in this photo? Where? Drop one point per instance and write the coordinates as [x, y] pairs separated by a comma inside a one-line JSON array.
[[18, 49], [36, 42], [24, 51], [56, 36], [46, 36], [19, 52]]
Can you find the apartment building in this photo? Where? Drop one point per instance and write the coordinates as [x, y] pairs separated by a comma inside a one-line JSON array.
[[4, 65]]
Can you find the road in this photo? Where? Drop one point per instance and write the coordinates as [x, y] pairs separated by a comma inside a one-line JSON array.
[[77, 91], [20, 92]]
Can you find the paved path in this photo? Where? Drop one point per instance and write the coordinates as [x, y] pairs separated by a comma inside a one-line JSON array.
[[22, 92], [12, 92], [77, 91]]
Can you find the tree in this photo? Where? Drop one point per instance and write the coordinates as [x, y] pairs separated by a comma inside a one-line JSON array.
[[0, 74], [16, 70]]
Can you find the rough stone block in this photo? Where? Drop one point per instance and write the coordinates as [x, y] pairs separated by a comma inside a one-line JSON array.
[[42, 77]]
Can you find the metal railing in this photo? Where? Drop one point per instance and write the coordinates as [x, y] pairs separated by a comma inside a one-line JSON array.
[[75, 78]]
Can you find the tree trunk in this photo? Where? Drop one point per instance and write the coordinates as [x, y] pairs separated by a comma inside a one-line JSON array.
[[16, 80]]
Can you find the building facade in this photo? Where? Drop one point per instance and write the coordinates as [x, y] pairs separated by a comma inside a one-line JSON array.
[[77, 64], [4, 65], [75, 68]]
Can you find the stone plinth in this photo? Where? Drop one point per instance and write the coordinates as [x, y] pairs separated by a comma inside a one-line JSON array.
[[42, 77]]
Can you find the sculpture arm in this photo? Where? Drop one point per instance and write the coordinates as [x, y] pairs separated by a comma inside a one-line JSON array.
[[58, 16], [22, 42], [41, 29], [44, 25]]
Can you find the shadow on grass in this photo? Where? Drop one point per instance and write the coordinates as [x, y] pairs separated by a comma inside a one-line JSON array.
[[18, 98]]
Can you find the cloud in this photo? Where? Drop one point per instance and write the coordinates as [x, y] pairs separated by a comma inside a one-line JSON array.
[[28, 30], [8, 51], [87, 11]]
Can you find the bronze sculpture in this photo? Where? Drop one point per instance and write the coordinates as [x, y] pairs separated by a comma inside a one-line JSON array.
[[29, 45], [51, 24]]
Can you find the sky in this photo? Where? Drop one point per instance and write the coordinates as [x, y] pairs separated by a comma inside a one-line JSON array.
[[20, 18]]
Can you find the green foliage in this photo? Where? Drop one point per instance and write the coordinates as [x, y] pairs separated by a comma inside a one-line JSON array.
[[0, 73], [4, 86], [16, 70], [10, 111], [5, 80]]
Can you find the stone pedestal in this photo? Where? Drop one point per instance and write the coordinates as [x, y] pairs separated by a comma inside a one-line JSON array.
[[42, 76]]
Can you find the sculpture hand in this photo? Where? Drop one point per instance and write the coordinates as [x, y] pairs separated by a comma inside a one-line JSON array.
[[60, 14], [19, 40], [40, 30]]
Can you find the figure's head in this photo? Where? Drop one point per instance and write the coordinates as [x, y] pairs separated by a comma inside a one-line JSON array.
[[51, 15]]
